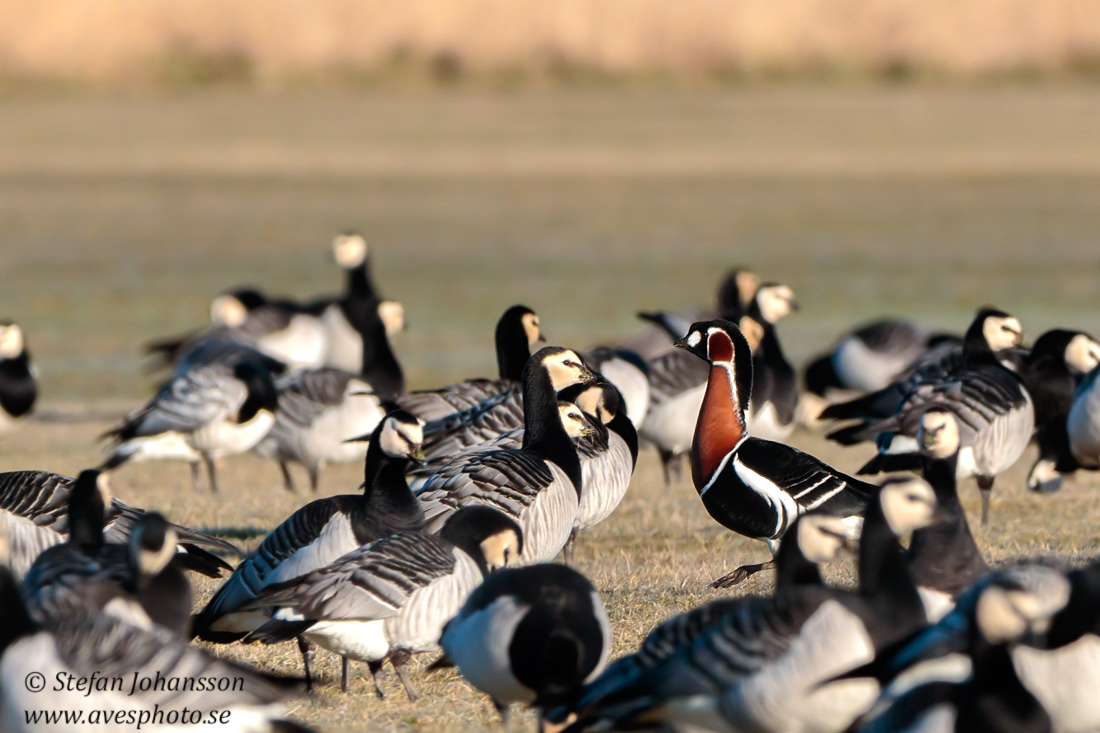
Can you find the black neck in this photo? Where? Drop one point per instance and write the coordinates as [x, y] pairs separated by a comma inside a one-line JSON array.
[[624, 428], [995, 697], [1080, 615], [947, 545], [380, 367], [883, 574], [791, 566], [17, 388], [543, 432], [15, 622], [384, 481], [940, 474], [976, 348], [86, 524], [513, 352], [359, 284]]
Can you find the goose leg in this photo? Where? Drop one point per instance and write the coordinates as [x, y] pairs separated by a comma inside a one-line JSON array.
[[502, 710], [343, 674], [399, 659], [985, 488], [314, 477], [668, 458], [288, 480], [374, 669], [211, 472], [196, 481], [742, 574], [307, 657], [568, 551]]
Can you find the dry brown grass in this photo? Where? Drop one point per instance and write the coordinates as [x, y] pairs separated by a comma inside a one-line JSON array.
[[269, 40]]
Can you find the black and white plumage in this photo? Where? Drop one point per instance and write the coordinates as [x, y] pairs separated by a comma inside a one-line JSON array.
[[943, 559], [516, 333], [319, 411], [86, 645], [391, 598], [1083, 422], [1052, 370], [767, 663], [628, 372], [530, 635], [866, 359], [538, 485], [18, 378], [207, 413], [321, 531], [752, 486], [34, 516], [995, 413], [773, 407]]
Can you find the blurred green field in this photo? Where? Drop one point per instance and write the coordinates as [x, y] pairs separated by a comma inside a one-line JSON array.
[[121, 217]]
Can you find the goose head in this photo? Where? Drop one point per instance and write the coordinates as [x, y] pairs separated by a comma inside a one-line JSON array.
[[775, 301], [821, 537], [938, 434], [737, 290], [262, 395], [999, 330], [392, 315], [493, 539], [572, 419], [152, 545], [1082, 353], [11, 340], [401, 435], [908, 504], [563, 366], [349, 250]]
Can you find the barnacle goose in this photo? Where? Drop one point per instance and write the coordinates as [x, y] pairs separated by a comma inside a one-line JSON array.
[[207, 413], [34, 515], [141, 583], [995, 412], [516, 332], [319, 410], [1051, 371], [815, 539], [531, 635], [867, 358], [390, 599], [538, 485], [628, 372], [18, 379], [1083, 422], [322, 531], [677, 384], [752, 486], [943, 559], [767, 663], [86, 645]]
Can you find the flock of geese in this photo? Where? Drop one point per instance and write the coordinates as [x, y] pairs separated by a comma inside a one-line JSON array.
[[470, 491]]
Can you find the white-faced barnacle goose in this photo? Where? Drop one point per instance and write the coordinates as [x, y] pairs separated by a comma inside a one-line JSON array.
[[18, 381], [752, 486], [207, 413], [772, 408], [608, 453], [814, 539], [1053, 368], [628, 372], [322, 531], [319, 411], [142, 582], [34, 515], [943, 559], [516, 332], [1083, 422], [995, 413], [531, 635], [84, 645], [538, 485], [768, 663], [390, 599]]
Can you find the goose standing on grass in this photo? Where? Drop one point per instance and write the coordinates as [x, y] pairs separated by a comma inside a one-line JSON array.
[[530, 635], [18, 379], [322, 531], [34, 516], [1053, 368], [319, 411], [769, 663], [943, 559], [752, 486], [538, 485], [203, 415], [1083, 422], [391, 598], [516, 333], [995, 413], [85, 645]]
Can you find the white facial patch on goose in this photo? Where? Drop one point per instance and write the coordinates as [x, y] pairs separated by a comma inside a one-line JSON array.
[[591, 400], [349, 250], [150, 563], [821, 538], [694, 338], [998, 615], [775, 302], [103, 484], [938, 434], [399, 439], [228, 311], [11, 341], [908, 505], [531, 328], [565, 369], [500, 549], [1002, 333], [1082, 354], [752, 331], [572, 420], [392, 314]]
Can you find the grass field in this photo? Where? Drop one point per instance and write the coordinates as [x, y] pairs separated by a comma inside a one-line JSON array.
[[121, 217]]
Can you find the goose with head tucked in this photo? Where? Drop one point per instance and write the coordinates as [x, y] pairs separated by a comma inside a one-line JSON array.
[[34, 516], [517, 332], [538, 485], [322, 531], [208, 413], [1083, 422], [391, 598], [995, 413], [18, 378], [628, 372], [752, 486]]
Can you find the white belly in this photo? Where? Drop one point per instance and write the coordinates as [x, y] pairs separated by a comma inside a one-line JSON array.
[[228, 438], [670, 425], [324, 439], [300, 345], [170, 446], [362, 640], [344, 345], [864, 370]]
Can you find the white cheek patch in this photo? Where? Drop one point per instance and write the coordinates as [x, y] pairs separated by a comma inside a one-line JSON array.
[[694, 338]]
